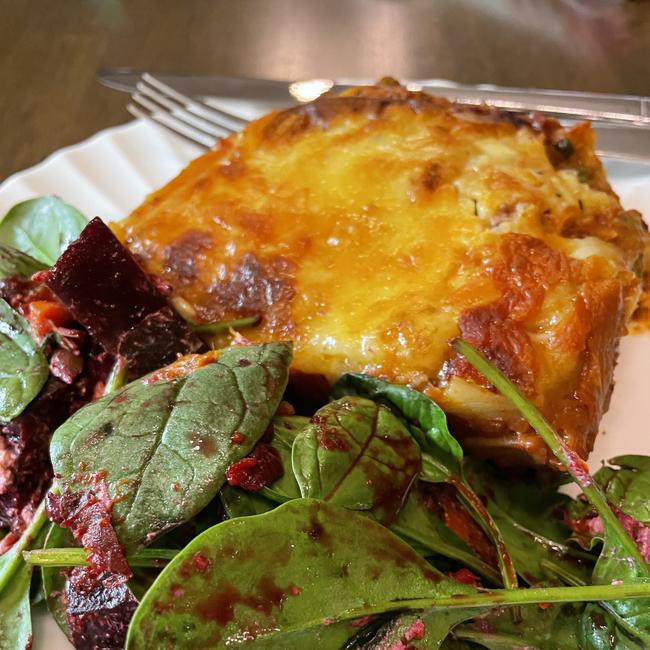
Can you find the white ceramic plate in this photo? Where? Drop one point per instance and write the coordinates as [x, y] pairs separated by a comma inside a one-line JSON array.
[[112, 172]]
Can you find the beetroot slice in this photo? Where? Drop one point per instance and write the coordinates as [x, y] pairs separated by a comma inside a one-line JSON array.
[[156, 341], [105, 289], [97, 616]]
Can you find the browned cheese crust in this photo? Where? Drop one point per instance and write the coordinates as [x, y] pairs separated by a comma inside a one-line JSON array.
[[373, 227]]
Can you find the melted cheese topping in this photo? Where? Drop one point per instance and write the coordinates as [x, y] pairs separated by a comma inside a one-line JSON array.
[[365, 231]]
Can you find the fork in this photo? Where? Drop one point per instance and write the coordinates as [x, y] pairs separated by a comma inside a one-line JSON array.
[[188, 117]]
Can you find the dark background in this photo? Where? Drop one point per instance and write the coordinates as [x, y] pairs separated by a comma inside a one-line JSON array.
[[50, 50]]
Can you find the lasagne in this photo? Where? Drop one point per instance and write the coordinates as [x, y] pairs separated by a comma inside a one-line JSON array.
[[374, 226]]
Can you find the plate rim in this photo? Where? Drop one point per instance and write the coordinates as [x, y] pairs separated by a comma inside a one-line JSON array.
[[62, 151]]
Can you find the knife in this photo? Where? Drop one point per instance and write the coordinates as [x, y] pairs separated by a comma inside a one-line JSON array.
[[632, 110], [615, 139]]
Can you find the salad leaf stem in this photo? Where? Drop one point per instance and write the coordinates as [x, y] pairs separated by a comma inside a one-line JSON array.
[[561, 573], [224, 326], [508, 598], [69, 557], [12, 559], [575, 581], [118, 376], [575, 465], [483, 517], [434, 471]]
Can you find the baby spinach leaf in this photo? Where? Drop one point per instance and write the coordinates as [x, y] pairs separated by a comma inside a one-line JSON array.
[[526, 514], [165, 445], [357, 454], [285, 430], [14, 262], [294, 577], [41, 228], [410, 404], [425, 631], [600, 630], [240, 503], [632, 616], [15, 612], [24, 366], [551, 627], [627, 485]]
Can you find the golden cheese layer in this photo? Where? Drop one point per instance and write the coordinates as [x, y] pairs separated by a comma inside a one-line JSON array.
[[372, 228]]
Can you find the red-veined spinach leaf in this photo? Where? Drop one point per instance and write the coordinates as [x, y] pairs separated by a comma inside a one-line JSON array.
[[428, 535], [601, 630], [441, 453], [165, 445], [626, 482], [355, 453], [412, 405]]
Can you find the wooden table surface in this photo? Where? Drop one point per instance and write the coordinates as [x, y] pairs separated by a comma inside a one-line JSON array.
[[51, 50]]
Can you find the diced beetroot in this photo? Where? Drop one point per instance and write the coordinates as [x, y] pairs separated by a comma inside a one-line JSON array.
[[156, 341], [105, 289], [66, 364], [97, 616], [416, 631], [260, 468], [466, 577]]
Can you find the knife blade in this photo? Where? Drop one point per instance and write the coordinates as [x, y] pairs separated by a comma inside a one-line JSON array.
[[632, 110], [265, 91]]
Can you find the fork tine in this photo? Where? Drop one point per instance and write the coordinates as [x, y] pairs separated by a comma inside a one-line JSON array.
[[216, 116], [173, 125], [145, 94]]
